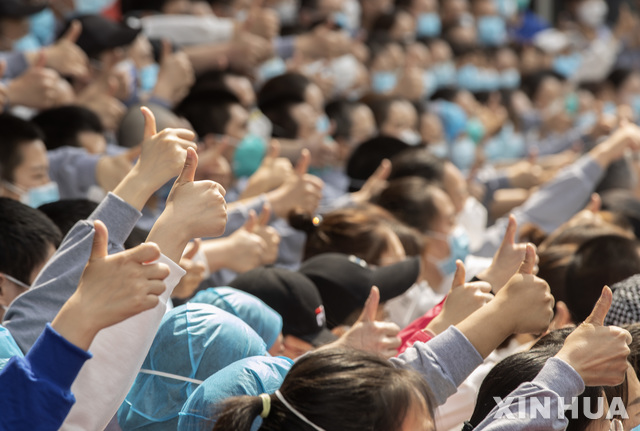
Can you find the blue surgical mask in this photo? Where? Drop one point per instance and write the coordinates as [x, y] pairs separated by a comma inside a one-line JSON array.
[[36, 196], [510, 79], [610, 108], [430, 84], [492, 30], [490, 79], [445, 73], [383, 81], [28, 43], [469, 78], [586, 120], [453, 117], [428, 25], [148, 77], [567, 65], [248, 156], [323, 124], [90, 7], [341, 20], [463, 153], [476, 130], [458, 242], [43, 26], [270, 69], [507, 8]]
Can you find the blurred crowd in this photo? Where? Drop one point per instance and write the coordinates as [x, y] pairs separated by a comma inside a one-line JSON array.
[[383, 215]]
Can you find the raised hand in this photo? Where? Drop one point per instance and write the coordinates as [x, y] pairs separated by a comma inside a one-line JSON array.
[[374, 184], [195, 209], [300, 190], [463, 299], [525, 301], [271, 174], [507, 259], [370, 335], [176, 75], [37, 88], [67, 58], [597, 352], [268, 234], [111, 289], [102, 100]]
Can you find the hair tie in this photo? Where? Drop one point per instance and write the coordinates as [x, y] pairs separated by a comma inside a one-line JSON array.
[[266, 405], [316, 220]]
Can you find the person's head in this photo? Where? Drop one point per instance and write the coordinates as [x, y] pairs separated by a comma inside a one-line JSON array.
[[354, 123], [625, 84], [24, 165], [353, 231], [215, 113], [328, 386], [523, 367], [293, 120], [601, 261], [398, 25], [296, 299], [27, 240], [14, 21], [544, 88], [396, 118], [238, 85], [71, 126], [452, 11], [291, 86], [366, 158]]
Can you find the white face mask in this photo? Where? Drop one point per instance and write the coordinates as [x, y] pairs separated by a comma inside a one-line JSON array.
[[410, 137], [473, 218], [592, 12]]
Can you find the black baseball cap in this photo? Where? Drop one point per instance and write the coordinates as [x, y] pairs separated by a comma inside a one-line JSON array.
[[100, 34], [294, 297], [345, 281], [20, 8]]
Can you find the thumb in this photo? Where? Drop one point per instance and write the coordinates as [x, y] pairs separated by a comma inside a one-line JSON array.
[[601, 308], [100, 247], [74, 32], [251, 222], [533, 157], [595, 203], [510, 234], [371, 306], [382, 172], [302, 167], [3, 68], [188, 173], [192, 249], [41, 60], [459, 276], [273, 152], [149, 122], [529, 261], [167, 50], [265, 215]]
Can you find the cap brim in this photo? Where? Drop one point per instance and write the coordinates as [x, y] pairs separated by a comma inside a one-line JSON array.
[[394, 280], [320, 338]]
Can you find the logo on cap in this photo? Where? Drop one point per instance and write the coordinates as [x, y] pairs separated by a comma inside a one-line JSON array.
[[321, 318]]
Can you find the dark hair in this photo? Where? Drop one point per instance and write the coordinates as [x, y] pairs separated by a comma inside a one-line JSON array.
[[340, 111], [410, 200], [15, 132], [66, 213], [381, 106], [601, 261], [25, 234], [328, 387], [61, 126], [618, 77], [416, 162], [523, 367], [349, 231], [290, 86], [280, 114], [624, 203], [531, 83], [367, 156], [209, 112]]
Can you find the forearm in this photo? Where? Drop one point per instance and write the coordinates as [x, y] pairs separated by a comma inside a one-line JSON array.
[[119, 352], [169, 237], [485, 329]]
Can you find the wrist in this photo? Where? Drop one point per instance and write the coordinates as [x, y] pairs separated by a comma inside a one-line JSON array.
[[218, 252], [66, 324], [134, 190], [171, 240]]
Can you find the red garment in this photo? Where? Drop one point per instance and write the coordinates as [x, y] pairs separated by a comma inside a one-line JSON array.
[[113, 12], [414, 331]]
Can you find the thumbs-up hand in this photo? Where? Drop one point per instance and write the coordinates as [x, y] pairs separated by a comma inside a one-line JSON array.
[[163, 153], [194, 209], [38, 87], [370, 335], [269, 235], [66, 57], [300, 190], [111, 289], [374, 184], [507, 259], [263, 22], [271, 174], [176, 75], [195, 272], [525, 302], [598, 353], [463, 299]]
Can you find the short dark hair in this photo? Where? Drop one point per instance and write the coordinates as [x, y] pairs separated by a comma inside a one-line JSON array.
[[601, 261], [209, 112], [410, 200], [416, 162], [25, 234], [14, 132], [280, 114], [339, 111], [62, 125], [290, 86]]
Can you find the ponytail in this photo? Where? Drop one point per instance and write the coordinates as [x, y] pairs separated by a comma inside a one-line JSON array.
[[238, 413]]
